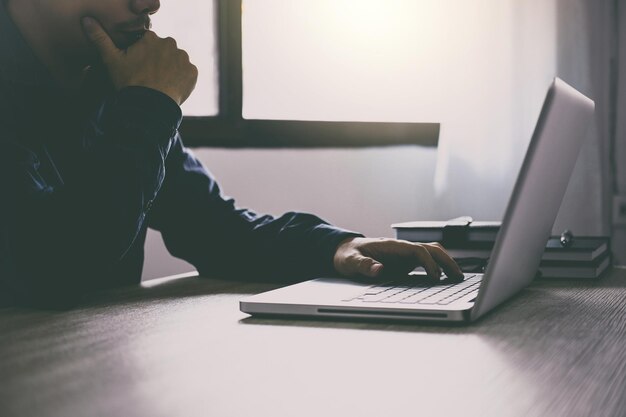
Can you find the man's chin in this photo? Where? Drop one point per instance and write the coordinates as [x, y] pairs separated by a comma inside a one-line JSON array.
[[126, 40]]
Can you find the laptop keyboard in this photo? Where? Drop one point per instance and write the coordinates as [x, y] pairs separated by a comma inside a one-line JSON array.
[[404, 294]]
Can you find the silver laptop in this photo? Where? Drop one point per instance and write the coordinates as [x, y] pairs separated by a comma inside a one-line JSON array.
[[526, 227]]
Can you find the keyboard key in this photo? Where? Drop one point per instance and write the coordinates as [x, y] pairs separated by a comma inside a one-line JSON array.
[[436, 294], [375, 290], [459, 294], [374, 298], [395, 298], [458, 297], [415, 298], [435, 298]]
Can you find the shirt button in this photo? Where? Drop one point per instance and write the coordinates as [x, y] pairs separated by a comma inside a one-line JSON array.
[[149, 205]]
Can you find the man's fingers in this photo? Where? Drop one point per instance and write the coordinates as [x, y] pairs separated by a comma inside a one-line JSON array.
[[439, 254], [366, 266], [403, 255], [426, 260], [101, 40]]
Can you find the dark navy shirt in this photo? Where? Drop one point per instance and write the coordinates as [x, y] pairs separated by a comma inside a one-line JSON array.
[[83, 175]]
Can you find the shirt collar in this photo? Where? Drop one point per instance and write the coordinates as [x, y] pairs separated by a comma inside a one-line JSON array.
[[18, 63]]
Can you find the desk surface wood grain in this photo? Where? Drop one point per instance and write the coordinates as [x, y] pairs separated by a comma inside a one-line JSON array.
[[181, 347]]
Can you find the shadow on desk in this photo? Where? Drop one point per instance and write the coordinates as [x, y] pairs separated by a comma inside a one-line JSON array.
[[177, 287], [182, 286]]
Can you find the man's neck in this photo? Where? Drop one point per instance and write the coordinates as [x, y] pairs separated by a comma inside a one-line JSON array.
[[66, 62]]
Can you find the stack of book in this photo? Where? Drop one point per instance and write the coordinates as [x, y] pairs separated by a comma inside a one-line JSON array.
[[470, 243]]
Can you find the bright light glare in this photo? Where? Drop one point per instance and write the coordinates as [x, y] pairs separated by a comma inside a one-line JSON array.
[[479, 67], [370, 60], [378, 29], [364, 21]]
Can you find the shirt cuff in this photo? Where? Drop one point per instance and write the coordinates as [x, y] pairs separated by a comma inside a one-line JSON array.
[[145, 114]]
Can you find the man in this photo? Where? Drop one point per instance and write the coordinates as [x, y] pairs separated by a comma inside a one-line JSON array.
[[90, 157]]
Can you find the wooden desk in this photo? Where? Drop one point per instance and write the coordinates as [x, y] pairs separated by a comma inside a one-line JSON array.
[[181, 347]]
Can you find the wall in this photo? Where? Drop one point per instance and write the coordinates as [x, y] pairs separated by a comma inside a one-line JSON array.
[[619, 146], [486, 87]]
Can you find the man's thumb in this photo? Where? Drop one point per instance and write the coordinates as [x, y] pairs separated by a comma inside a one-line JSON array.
[[101, 40], [368, 266]]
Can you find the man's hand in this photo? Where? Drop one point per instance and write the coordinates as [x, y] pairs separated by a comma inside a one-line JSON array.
[[151, 62], [370, 257]]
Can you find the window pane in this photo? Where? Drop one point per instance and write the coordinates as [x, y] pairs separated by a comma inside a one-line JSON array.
[[369, 60], [192, 24], [336, 59]]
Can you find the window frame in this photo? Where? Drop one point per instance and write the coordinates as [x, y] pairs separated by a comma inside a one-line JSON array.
[[228, 129]]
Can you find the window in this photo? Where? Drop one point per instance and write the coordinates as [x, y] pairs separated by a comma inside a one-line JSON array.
[[175, 20], [256, 88]]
